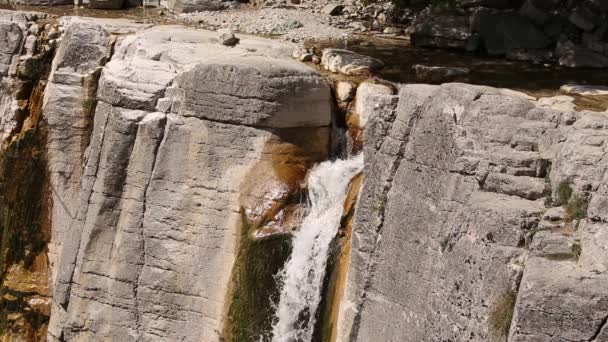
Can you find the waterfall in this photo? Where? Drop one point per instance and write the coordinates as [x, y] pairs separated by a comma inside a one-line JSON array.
[[302, 276]]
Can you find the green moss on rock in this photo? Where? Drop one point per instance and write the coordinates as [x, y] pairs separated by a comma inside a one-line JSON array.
[[255, 290]]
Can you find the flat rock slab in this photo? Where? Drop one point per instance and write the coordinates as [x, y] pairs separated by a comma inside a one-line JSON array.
[[584, 90]]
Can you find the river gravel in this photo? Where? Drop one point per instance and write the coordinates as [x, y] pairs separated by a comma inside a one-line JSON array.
[[286, 24]]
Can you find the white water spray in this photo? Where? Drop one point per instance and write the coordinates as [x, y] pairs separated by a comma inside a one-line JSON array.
[[302, 277]]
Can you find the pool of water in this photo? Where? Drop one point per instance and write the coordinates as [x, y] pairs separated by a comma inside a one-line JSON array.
[[535, 79]]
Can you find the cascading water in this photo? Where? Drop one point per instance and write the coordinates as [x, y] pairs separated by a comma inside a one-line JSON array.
[[302, 276]]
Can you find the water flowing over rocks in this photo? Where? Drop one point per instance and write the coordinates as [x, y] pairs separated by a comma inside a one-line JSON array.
[[151, 178]]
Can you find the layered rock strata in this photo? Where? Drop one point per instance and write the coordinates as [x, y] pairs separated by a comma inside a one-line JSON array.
[[451, 240], [159, 140]]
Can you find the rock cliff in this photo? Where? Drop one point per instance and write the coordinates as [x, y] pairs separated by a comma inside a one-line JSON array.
[[157, 140], [479, 218], [150, 177]]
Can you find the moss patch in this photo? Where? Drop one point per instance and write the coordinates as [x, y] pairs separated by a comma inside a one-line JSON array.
[[254, 289]]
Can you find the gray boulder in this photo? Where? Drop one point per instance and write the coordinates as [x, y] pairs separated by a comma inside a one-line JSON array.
[[442, 30], [332, 9], [576, 56], [186, 6], [349, 63], [504, 32], [228, 38]]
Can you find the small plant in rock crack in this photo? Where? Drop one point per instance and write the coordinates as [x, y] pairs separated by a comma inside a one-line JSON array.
[[445, 244], [502, 313], [576, 206], [564, 193]]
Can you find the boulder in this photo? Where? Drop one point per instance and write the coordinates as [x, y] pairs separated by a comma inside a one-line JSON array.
[[442, 30], [584, 18], [186, 6], [368, 96], [228, 38], [349, 63], [438, 74], [576, 56], [504, 32], [345, 91], [286, 26], [562, 103], [539, 16], [332, 9]]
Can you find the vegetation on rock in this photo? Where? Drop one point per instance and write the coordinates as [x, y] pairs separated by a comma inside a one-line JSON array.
[[255, 290]]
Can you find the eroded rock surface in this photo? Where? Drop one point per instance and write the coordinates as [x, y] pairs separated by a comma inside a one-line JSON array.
[[458, 179], [158, 141]]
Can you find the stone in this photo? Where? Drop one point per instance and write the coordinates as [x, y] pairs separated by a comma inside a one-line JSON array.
[[539, 312], [554, 245], [560, 102], [345, 91], [538, 16], [583, 18], [366, 101], [575, 56], [228, 38], [392, 30], [584, 90], [286, 26], [531, 188], [442, 30], [106, 4], [349, 63], [187, 6], [332, 9], [438, 74], [306, 57], [504, 32]]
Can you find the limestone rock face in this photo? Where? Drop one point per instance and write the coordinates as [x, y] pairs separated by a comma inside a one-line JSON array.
[[186, 135], [68, 105], [450, 238]]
